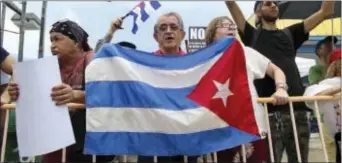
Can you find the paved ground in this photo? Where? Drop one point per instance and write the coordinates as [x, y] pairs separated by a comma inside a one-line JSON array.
[[316, 151]]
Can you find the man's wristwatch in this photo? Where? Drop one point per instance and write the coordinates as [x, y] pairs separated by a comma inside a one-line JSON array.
[[282, 86]]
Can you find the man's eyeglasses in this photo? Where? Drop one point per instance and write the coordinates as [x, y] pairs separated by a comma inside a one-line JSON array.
[[164, 27]]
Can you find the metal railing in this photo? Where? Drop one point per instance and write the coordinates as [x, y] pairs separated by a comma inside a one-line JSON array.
[[264, 101]]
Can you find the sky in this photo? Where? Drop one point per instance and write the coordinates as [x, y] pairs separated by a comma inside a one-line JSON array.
[[95, 18]]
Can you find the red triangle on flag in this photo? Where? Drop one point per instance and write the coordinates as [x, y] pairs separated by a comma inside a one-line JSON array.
[[227, 80]]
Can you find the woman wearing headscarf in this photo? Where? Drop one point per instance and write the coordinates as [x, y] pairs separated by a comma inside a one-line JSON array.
[[258, 67], [69, 42]]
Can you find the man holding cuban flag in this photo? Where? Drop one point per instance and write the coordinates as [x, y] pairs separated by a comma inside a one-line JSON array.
[[148, 105]]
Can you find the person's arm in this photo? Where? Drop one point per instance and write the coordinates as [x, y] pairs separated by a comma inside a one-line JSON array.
[[246, 31], [300, 31], [276, 74], [280, 95], [109, 35], [331, 91], [260, 66], [298, 34], [237, 15], [79, 96], [325, 12]]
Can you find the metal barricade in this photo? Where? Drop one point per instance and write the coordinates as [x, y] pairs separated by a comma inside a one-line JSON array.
[[264, 101]]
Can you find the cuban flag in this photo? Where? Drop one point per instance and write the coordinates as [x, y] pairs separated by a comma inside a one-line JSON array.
[[142, 12], [143, 104]]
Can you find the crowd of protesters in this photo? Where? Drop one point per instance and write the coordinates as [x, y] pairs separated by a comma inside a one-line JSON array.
[[270, 57]]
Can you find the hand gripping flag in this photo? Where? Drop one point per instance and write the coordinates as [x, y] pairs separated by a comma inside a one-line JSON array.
[[142, 104]]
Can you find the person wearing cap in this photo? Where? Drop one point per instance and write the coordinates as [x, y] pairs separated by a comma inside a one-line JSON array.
[[280, 46], [330, 110], [323, 49]]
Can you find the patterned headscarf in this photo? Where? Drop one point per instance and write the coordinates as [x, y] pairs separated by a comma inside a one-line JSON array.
[[73, 31]]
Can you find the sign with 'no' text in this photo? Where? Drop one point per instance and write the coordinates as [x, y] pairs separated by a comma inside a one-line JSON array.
[[196, 38]]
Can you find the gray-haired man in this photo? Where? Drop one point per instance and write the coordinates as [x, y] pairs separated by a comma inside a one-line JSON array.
[[169, 33]]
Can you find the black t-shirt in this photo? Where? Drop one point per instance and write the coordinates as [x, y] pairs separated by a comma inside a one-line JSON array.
[[276, 46], [3, 54]]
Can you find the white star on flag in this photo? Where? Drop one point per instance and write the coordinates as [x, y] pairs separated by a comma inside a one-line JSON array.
[[222, 91]]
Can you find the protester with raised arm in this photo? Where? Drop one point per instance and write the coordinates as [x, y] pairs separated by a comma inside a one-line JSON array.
[[109, 35], [280, 47]]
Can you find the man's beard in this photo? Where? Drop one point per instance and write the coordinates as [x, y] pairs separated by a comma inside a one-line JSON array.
[[270, 19]]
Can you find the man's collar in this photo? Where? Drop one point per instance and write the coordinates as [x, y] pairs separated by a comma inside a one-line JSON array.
[[159, 52]]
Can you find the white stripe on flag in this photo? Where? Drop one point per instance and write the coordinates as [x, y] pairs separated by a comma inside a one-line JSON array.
[[106, 70], [152, 120], [138, 21]]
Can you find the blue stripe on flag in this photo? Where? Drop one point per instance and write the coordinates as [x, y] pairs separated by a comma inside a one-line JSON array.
[[144, 14], [155, 4], [168, 62], [126, 94], [158, 144], [135, 17]]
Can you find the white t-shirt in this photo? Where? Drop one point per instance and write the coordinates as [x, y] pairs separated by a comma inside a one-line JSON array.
[[256, 69], [256, 63]]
